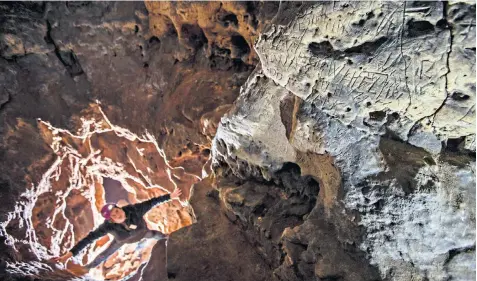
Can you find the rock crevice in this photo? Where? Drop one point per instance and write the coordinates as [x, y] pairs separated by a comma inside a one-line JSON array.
[[340, 136], [381, 121]]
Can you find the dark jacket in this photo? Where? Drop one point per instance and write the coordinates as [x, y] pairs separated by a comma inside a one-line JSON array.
[[122, 231]]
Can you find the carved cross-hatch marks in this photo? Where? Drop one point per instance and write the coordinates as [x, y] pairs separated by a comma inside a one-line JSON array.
[[326, 52]]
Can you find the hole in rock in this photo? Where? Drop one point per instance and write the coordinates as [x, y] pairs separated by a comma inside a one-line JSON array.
[[321, 49], [240, 44], [101, 163], [194, 35], [442, 23], [454, 144], [367, 48], [206, 152], [360, 23], [393, 117], [292, 180], [419, 28], [154, 40], [458, 96], [377, 115], [230, 19], [291, 167]]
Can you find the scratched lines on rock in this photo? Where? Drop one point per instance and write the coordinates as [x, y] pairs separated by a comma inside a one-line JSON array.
[[360, 85], [285, 56]]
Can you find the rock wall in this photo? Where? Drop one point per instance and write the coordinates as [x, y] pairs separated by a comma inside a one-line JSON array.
[[65, 205], [227, 29], [56, 59], [347, 151], [376, 102]]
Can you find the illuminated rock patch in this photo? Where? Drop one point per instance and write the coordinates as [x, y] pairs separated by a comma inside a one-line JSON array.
[[64, 206]]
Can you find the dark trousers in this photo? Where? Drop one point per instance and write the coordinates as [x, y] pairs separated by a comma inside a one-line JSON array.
[[115, 245]]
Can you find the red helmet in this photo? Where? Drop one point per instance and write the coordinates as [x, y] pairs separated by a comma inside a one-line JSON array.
[[106, 210]]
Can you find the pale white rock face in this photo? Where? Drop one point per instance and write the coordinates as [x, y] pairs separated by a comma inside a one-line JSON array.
[[470, 143], [384, 87], [361, 57], [457, 116], [255, 132], [426, 227]]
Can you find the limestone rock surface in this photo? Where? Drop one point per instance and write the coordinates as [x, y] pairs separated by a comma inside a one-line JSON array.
[[315, 140], [376, 102]]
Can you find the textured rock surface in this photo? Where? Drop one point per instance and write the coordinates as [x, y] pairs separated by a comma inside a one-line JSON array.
[[228, 29], [376, 101], [410, 60], [66, 203], [224, 252], [57, 58], [349, 154]]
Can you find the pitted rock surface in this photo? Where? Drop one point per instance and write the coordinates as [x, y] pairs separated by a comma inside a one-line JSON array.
[[362, 62], [341, 136], [385, 95], [57, 58]]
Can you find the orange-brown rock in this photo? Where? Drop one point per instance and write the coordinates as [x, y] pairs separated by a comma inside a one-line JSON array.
[[71, 192], [56, 59], [226, 28]]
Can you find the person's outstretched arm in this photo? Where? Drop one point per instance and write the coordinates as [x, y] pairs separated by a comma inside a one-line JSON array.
[[90, 238], [144, 207]]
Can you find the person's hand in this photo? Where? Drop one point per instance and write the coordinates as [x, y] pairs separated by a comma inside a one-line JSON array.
[[64, 258], [176, 194]]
